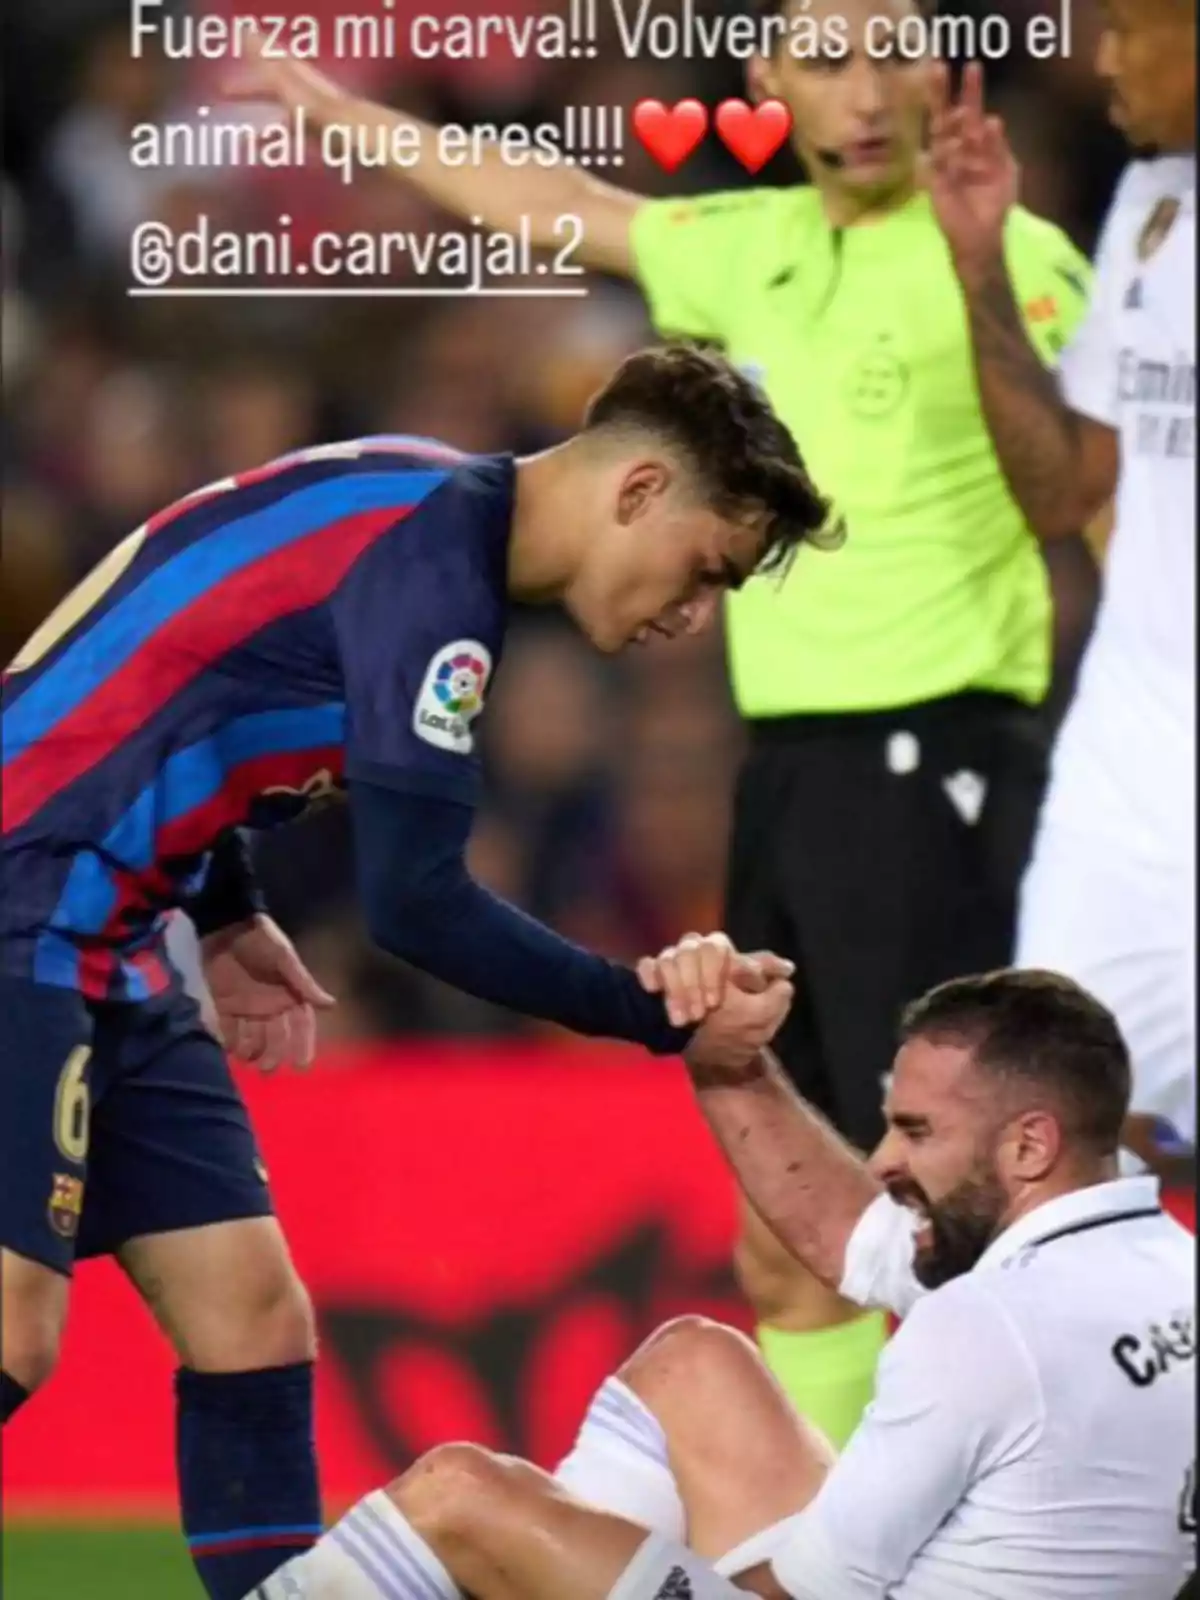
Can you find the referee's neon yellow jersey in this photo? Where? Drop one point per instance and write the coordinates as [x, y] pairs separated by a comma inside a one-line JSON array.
[[860, 339]]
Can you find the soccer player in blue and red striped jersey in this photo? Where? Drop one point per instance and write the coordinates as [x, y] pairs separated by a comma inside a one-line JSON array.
[[330, 621]]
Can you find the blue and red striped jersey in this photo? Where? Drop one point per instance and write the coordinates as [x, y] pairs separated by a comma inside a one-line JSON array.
[[335, 613]]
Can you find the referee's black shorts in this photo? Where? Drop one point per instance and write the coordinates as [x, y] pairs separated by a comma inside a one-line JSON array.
[[882, 852]]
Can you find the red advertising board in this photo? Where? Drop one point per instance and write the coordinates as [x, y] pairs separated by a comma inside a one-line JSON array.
[[486, 1232]]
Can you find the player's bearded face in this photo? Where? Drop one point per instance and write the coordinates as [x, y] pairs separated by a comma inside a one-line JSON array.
[[1148, 56], [957, 1227], [940, 1157], [858, 100]]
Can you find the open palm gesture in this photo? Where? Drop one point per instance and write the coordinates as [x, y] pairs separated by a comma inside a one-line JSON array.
[[972, 173]]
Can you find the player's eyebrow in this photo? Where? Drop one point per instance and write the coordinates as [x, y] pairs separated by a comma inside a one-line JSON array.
[[907, 1122]]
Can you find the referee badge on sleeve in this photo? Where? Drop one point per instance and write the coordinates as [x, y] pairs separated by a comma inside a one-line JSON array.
[[451, 696]]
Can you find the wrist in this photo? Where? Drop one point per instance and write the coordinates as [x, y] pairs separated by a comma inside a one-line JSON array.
[[977, 269], [219, 938], [726, 1071]]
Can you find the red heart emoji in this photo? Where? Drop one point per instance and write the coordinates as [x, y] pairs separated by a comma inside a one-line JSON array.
[[670, 133], [753, 133]]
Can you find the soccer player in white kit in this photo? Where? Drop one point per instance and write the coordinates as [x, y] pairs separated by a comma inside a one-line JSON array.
[[1110, 895], [1032, 1435]]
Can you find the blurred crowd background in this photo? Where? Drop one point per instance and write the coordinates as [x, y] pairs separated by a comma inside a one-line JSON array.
[[609, 783]]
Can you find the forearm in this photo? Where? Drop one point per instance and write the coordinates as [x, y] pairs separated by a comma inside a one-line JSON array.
[[1039, 441], [806, 1183], [423, 906], [469, 937], [229, 893]]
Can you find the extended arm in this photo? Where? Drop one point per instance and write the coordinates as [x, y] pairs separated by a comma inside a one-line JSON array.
[[1060, 465], [422, 904], [500, 193], [806, 1183]]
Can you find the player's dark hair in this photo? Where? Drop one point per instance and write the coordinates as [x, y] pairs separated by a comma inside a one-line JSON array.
[[743, 458], [1024, 1024]]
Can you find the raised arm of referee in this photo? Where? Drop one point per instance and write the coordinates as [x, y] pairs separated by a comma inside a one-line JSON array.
[[892, 690]]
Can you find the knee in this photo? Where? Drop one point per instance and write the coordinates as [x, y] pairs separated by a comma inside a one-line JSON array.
[[780, 1289], [33, 1313], [448, 1489], [283, 1324], [684, 1359], [267, 1321], [30, 1350], [768, 1276]]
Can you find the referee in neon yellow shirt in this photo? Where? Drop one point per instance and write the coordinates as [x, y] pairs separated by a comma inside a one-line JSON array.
[[884, 812]]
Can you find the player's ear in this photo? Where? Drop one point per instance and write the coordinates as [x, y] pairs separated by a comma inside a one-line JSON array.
[[1033, 1146], [761, 81], [642, 484]]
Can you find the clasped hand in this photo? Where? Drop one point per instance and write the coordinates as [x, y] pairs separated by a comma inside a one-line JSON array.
[[737, 1000]]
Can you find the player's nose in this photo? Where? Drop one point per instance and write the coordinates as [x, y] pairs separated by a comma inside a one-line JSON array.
[[883, 1162], [1107, 55], [699, 613]]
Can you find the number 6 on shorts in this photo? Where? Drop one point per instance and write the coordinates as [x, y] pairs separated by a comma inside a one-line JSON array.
[[72, 1105]]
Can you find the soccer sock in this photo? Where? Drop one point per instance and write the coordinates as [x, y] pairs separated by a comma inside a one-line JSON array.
[[247, 1467], [620, 1463], [828, 1373], [12, 1396], [373, 1553]]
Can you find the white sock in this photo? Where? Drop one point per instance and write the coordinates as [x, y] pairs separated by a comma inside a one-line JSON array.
[[373, 1553], [620, 1464]]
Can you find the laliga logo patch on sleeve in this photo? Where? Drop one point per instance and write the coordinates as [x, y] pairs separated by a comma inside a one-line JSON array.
[[451, 696]]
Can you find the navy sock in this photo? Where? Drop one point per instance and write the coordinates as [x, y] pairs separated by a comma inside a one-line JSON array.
[[247, 1466], [12, 1395]]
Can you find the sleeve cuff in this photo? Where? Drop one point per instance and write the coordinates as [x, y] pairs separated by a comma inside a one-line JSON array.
[[229, 894]]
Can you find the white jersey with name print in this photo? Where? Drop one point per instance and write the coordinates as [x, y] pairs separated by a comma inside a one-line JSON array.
[[1125, 763], [1032, 1437], [1033, 1431]]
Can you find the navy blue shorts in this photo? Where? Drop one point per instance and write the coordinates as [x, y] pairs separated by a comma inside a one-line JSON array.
[[116, 1120]]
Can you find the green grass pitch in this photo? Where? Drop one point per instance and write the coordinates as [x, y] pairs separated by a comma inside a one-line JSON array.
[[71, 1561]]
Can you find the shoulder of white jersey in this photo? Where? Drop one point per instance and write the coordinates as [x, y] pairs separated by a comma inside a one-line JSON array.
[[1180, 1242], [1141, 186], [1145, 178], [977, 1330]]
